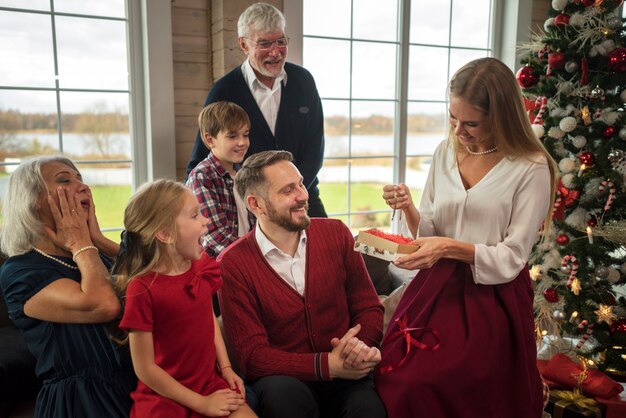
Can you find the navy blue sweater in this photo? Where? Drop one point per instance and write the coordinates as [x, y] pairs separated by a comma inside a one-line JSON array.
[[299, 125]]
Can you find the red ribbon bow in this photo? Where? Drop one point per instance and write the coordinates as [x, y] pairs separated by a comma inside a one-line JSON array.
[[405, 331], [211, 270]]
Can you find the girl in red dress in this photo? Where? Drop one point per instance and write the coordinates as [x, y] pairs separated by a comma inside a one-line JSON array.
[[166, 281]]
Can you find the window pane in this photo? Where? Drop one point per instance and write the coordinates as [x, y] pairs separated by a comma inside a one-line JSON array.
[[111, 187], [470, 23], [430, 22], [374, 70], [334, 177], [112, 8], [372, 128], [87, 62], [336, 128], [369, 177], [28, 124], [95, 125], [329, 62], [426, 124], [31, 48], [326, 18], [427, 73], [30, 4], [416, 175], [376, 20], [460, 57]]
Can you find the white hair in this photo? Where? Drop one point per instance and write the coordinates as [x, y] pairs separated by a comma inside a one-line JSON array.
[[260, 17], [22, 227]]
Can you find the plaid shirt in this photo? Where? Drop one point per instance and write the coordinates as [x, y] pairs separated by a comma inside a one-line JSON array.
[[213, 187]]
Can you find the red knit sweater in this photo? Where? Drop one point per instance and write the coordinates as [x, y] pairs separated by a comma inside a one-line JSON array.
[[273, 330]]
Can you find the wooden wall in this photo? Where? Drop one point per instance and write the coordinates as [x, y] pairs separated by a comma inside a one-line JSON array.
[[540, 14]]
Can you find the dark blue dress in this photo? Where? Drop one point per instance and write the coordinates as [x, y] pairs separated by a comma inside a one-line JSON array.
[[83, 373]]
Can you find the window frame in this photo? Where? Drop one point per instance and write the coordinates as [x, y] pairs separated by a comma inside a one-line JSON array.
[[510, 22]]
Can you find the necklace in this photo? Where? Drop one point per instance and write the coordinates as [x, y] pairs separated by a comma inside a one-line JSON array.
[[69, 266], [489, 151]]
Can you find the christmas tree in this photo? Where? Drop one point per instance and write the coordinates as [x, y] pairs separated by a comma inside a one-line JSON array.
[[574, 80]]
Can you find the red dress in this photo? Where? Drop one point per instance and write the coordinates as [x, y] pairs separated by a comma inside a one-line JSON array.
[[476, 356], [178, 311]]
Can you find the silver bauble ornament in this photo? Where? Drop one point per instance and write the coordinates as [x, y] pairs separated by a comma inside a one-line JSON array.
[[613, 276], [571, 66], [558, 315], [596, 92], [566, 268], [602, 272], [615, 155], [614, 22], [622, 134]]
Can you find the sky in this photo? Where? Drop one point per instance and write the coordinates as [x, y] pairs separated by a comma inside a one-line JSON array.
[[92, 52]]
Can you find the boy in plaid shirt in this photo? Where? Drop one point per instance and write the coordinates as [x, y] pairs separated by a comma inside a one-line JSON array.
[[224, 127]]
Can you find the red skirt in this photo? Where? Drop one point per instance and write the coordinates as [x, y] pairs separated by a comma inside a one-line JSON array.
[[472, 348]]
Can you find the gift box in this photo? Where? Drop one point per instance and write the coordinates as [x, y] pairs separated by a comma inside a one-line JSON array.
[[562, 375], [382, 245], [572, 404]]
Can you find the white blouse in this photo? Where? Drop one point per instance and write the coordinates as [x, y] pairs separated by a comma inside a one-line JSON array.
[[500, 215]]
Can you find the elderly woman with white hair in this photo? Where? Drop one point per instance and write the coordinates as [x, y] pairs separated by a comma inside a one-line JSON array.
[[57, 288]]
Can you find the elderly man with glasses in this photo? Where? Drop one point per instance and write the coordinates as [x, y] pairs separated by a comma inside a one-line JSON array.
[[280, 98]]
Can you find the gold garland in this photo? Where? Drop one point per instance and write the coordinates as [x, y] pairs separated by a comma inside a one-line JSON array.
[[615, 232]]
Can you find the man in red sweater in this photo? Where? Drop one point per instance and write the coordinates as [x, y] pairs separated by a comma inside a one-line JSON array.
[[298, 306]]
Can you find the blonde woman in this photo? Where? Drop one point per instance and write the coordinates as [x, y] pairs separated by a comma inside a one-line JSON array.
[[469, 310]]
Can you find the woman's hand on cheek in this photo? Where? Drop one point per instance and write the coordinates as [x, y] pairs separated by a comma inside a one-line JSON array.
[[92, 221], [70, 222]]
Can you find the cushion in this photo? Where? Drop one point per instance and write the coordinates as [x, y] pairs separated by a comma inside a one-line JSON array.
[[390, 303], [378, 270], [17, 365]]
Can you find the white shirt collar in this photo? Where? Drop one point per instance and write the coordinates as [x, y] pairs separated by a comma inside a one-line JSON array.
[[252, 80], [268, 246]]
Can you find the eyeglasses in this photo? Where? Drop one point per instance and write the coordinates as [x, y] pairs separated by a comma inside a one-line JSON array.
[[265, 45]]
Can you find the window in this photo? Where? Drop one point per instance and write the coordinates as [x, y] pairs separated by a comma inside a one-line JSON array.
[[382, 69], [64, 89], [90, 80]]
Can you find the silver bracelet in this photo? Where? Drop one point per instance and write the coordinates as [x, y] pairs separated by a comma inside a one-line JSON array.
[[89, 247]]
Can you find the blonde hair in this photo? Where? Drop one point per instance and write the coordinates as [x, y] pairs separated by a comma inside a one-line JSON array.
[[22, 228], [490, 86], [221, 116], [154, 207]]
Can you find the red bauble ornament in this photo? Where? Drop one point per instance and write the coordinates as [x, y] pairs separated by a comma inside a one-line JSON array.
[[551, 295], [592, 222], [618, 326], [557, 59], [562, 239], [617, 60], [609, 131], [526, 77], [587, 158], [561, 20]]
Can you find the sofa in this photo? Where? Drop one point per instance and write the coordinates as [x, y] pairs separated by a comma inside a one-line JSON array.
[[18, 383]]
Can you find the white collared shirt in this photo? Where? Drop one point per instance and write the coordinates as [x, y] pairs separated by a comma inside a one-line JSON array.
[[243, 223], [268, 99], [291, 269]]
